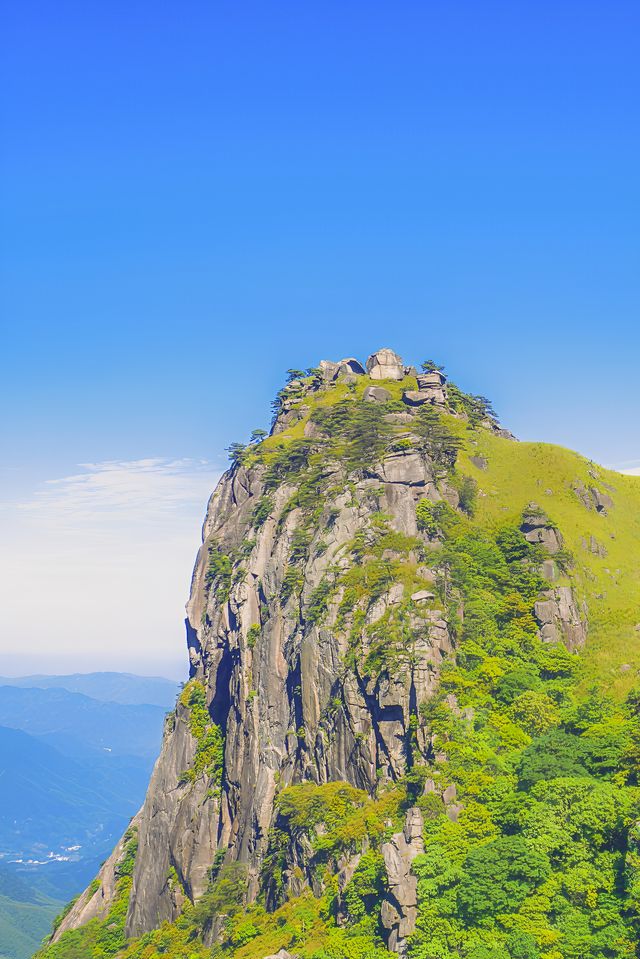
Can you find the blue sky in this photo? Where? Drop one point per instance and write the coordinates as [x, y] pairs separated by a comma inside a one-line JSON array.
[[197, 196]]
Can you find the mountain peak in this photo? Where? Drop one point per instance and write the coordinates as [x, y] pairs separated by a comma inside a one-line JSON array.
[[389, 642]]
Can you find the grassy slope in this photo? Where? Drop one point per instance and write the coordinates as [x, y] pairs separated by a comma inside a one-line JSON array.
[[519, 473]]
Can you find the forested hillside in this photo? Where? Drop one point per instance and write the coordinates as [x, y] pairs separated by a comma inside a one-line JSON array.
[[412, 725]]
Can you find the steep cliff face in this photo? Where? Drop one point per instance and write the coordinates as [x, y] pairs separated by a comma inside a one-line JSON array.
[[368, 548], [271, 638]]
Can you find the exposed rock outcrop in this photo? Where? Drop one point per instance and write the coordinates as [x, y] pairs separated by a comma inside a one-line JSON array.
[[537, 529], [385, 365], [289, 710], [561, 619], [431, 389], [334, 371], [593, 498], [592, 545], [400, 906], [376, 394]]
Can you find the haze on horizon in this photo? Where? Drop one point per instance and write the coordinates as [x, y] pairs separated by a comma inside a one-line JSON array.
[[194, 203]]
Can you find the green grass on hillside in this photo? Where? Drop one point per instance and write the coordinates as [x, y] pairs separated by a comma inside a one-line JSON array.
[[520, 473], [23, 925]]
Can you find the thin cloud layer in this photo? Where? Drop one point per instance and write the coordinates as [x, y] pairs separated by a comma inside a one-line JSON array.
[[630, 467], [95, 567], [145, 488]]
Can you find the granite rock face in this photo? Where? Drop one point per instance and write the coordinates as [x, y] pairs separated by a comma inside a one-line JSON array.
[[537, 529], [275, 698], [593, 498], [286, 687], [400, 907], [376, 394], [385, 365], [561, 619], [431, 389], [333, 371]]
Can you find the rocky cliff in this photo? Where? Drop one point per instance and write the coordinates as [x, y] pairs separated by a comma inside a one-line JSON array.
[[363, 584]]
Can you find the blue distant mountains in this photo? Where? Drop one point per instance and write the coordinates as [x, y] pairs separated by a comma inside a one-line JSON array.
[[124, 688], [76, 753]]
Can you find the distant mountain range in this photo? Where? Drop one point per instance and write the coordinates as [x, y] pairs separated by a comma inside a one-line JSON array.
[[78, 725], [76, 753], [25, 915], [124, 688]]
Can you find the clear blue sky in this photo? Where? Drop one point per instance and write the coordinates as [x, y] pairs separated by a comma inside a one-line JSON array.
[[198, 195]]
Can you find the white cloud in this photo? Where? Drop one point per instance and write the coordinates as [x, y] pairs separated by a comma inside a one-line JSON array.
[[146, 489], [95, 566], [630, 467]]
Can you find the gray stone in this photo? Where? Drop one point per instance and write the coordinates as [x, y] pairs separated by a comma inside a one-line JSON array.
[[422, 595], [407, 468], [376, 394], [593, 546], [537, 528], [453, 811], [184, 825], [399, 908], [96, 904], [355, 730], [593, 499], [385, 365], [449, 795], [328, 369], [343, 368], [415, 397], [560, 619], [603, 502], [349, 367], [426, 381], [399, 418], [436, 395]]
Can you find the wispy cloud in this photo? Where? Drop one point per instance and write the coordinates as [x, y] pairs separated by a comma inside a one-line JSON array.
[[630, 467], [145, 490], [95, 566]]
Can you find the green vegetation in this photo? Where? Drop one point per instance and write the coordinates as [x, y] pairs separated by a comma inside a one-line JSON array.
[[25, 915], [436, 439], [102, 939], [209, 754], [520, 473], [219, 570], [547, 778], [253, 635], [538, 854]]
